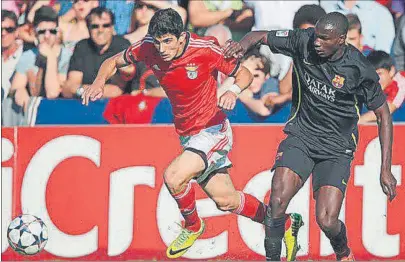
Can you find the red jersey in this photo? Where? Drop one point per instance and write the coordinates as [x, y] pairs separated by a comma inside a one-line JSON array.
[[395, 92], [190, 81]]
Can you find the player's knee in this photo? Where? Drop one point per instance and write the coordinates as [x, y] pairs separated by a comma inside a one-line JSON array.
[[174, 180], [227, 203], [327, 221], [278, 205]]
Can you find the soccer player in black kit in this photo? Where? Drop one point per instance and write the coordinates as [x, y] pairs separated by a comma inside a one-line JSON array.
[[331, 81]]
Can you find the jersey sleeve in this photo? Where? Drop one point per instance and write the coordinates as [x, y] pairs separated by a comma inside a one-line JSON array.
[[288, 42], [228, 66], [371, 90], [137, 51]]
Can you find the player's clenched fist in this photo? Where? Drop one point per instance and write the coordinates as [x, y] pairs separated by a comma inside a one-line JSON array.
[[228, 100], [92, 92]]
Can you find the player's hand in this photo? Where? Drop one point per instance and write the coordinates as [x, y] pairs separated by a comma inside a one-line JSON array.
[[233, 49], [92, 92], [270, 99], [388, 184], [228, 100]]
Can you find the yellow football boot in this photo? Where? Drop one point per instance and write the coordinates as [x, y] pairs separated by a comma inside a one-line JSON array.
[[290, 236], [184, 241]]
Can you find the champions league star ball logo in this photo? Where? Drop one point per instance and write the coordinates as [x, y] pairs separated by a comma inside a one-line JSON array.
[[338, 81], [192, 72]]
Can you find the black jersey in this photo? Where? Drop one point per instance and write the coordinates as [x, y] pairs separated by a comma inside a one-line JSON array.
[[327, 96]]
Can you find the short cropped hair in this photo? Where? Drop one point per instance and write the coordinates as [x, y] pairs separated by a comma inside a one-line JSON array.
[[336, 20], [308, 14], [256, 53], [380, 59], [10, 15], [354, 22], [166, 21], [45, 14], [99, 11]]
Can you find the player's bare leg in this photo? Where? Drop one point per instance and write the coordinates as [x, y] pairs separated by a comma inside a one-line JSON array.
[[285, 185], [177, 178], [328, 203], [221, 189]]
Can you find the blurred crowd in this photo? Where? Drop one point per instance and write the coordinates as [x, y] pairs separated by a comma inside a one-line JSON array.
[[52, 48]]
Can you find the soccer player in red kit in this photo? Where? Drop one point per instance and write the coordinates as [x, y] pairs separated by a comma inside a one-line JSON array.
[[187, 67]]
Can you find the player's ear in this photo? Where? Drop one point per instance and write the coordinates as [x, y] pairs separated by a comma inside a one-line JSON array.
[[182, 37], [392, 72], [342, 40]]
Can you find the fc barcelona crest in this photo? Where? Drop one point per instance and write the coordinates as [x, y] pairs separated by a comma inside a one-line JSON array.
[[192, 71], [338, 81]]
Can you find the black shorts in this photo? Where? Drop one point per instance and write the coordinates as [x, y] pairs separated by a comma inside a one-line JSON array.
[[329, 170]]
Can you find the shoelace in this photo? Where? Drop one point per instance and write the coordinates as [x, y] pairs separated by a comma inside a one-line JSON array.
[[295, 225], [183, 237]]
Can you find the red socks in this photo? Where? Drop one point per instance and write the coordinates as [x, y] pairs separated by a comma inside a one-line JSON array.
[[287, 222], [187, 205], [251, 207]]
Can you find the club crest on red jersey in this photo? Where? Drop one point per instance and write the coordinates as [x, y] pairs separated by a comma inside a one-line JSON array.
[[192, 71], [338, 81]]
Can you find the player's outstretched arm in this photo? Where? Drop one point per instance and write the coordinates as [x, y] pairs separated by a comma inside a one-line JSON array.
[[371, 117], [384, 121], [107, 70], [235, 49], [243, 78]]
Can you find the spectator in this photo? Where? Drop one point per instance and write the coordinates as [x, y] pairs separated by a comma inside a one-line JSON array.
[[122, 11], [273, 15], [44, 68], [259, 66], [26, 30], [399, 45], [307, 16], [220, 32], [65, 10], [252, 97], [141, 17], [34, 5], [143, 12], [234, 14], [398, 8], [28, 9], [392, 83], [90, 53], [11, 49], [22, 10], [10, 6], [164, 4], [355, 36], [75, 29], [368, 12], [277, 92]]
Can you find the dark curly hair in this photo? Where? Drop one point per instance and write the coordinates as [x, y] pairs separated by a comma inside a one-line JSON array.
[[166, 21]]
